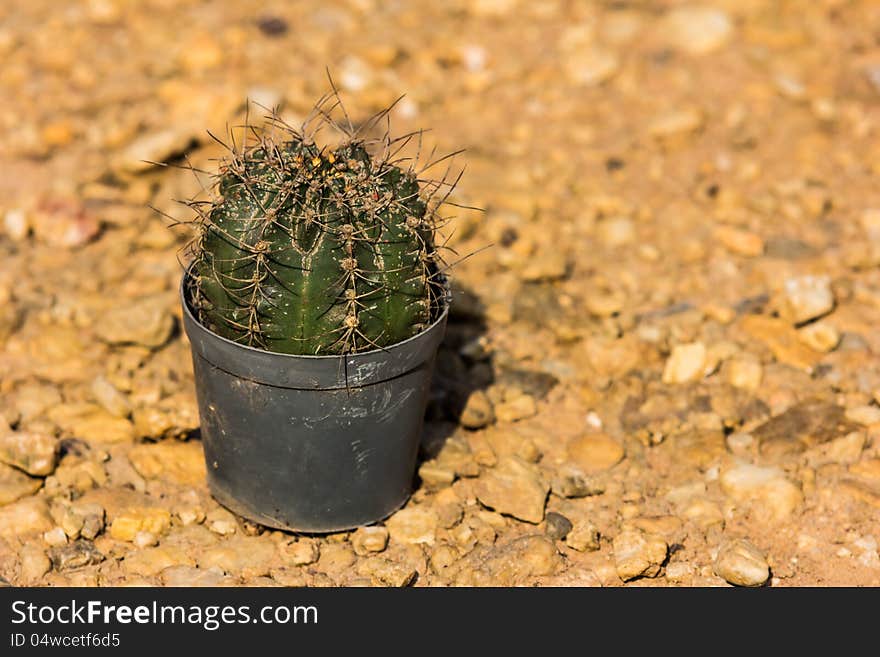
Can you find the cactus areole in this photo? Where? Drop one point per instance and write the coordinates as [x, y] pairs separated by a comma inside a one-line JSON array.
[[314, 250]]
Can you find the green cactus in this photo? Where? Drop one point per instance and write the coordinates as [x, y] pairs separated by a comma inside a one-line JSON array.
[[309, 250]]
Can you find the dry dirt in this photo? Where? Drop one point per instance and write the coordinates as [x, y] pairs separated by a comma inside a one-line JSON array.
[[663, 372]]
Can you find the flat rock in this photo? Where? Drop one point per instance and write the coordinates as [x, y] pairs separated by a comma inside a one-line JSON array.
[[806, 298], [583, 537], [767, 487], [783, 340], [35, 453], [247, 556], [515, 563], [146, 322], [414, 525], [153, 560], [369, 539], [808, 423], [171, 460], [590, 65], [696, 29], [34, 564], [75, 555], [155, 147], [742, 564], [515, 488], [15, 484], [638, 554], [190, 576], [595, 452], [172, 417], [133, 520], [27, 516], [686, 363]]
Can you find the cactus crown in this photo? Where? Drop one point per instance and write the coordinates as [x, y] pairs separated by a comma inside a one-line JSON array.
[[319, 250]]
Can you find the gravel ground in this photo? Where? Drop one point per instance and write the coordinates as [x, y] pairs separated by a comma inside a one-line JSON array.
[[663, 372]]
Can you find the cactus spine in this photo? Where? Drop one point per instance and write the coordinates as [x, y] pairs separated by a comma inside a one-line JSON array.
[[318, 251]]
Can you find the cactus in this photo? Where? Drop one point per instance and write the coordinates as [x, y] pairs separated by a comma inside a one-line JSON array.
[[318, 250]]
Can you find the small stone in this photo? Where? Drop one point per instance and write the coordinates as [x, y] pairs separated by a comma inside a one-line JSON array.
[[514, 487], [16, 224], [34, 564], [127, 525], [150, 561], [413, 526], [200, 53], [573, 483], [435, 475], [548, 266], [145, 539], [368, 540], [519, 408], [35, 453], [385, 572], [679, 571], [806, 298], [595, 452], [64, 222], [28, 516], [765, 486], [220, 521], [740, 443], [805, 424], [637, 554], [675, 124], [72, 523], [15, 484], [175, 416], [272, 26], [686, 363], [477, 412], [154, 148], [603, 301], [740, 242], [556, 526], [173, 461], [93, 424], [583, 537], [820, 336], [247, 556], [491, 8], [870, 220], [742, 564], [109, 396], [515, 563], [32, 400], [742, 373], [93, 524], [616, 231], [197, 577], [782, 340], [846, 450], [300, 552], [591, 65], [696, 29], [76, 555], [57, 133], [55, 537], [146, 323], [865, 415]]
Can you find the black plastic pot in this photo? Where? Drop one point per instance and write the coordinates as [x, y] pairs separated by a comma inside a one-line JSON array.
[[310, 443]]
